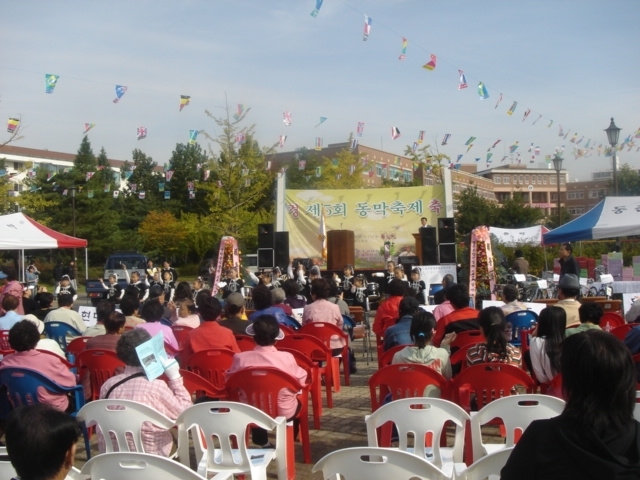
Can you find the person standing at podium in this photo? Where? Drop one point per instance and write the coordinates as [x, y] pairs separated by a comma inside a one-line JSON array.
[[423, 222]]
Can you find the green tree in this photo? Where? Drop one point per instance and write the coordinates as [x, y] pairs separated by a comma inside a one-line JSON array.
[[162, 234], [344, 170], [141, 173], [84, 162], [240, 191], [430, 160], [472, 210], [188, 163], [515, 212], [628, 182]]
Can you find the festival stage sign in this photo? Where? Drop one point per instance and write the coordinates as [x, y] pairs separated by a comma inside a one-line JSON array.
[[375, 216]]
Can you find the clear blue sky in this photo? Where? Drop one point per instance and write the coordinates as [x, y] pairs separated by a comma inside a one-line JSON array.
[[576, 62]]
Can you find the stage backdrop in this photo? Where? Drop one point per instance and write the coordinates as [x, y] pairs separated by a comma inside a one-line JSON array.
[[374, 215]]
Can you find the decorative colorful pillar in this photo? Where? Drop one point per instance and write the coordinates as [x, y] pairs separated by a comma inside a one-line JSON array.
[[481, 270], [228, 256]]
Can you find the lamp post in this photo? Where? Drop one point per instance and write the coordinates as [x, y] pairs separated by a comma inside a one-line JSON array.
[[72, 193], [613, 133], [557, 164]]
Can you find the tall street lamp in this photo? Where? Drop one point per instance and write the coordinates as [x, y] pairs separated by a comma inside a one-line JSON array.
[[613, 133], [557, 164]]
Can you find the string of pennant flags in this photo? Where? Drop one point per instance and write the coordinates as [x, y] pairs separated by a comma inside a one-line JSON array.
[[581, 148]]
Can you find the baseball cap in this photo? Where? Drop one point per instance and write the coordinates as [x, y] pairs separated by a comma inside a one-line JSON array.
[[235, 299], [569, 281]]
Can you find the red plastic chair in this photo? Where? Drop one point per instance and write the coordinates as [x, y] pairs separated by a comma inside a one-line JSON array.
[[313, 373], [77, 345], [245, 342], [64, 361], [611, 320], [488, 381], [259, 387], [387, 356], [459, 358], [621, 330], [325, 332], [100, 364], [317, 351], [525, 337], [5, 347], [554, 387], [287, 330], [403, 380], [211, 364], [198, 386], [181, 332], [467, 337]]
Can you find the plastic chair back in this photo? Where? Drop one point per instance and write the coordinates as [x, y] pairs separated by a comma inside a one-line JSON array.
[[100, 365], [212, 365], [387, 357], [218, 431], [611, 320], [260, 387], [403, 380], [376, 464], [181, 332], [245, 342], [487, 466], [313, 376], [458, 359], [516, 413], [199, 387], [520, 320], [424, 421], [121, 420], [138, 466], [327, 332], [467, 337], [5, 346], [485, 382], [621, 330], [75, 346], [59, 331]]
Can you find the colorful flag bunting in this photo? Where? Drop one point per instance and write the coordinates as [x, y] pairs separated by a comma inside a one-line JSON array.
[[445, 139], [463, 81], [526, 114], [192, 195], [120, 91], [193, 134], [560, 131], [322, 120], [239, 112], [161, 186], [421, 136], [302, 164], [550, 123], [489, 155], [89, 175], [50, 175], [360, 129], [207, 173], [395, 133], [318, 171], [352, 169], [482, 91], [191, 185], [316, 10], [367, 28], [240, 138], [141, 133], [512, 109], [536, 151], [116, 193], [431, 64], [167, 195], [50, 82], [168, 175], [12, 124], [354, 144], [268, 165], [89, 193], [286, 118], [495, 143], [107, 188], [127, 174], [498, 102], [88, 126], [459, 158], [469, 147], [539, 117], [184, 101], [513, 147], [471, 139], [403, 53], [133, 187], [318, 143], [414, 147], [281, 140]]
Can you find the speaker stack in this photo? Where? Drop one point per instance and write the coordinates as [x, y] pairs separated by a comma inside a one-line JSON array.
[[429, 244], [273, 247], [446, 241]]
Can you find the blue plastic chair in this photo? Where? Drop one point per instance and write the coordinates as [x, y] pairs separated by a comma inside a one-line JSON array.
[[58, 331], [521, 320], [22, 389]]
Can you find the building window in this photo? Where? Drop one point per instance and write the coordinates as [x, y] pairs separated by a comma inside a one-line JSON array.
[[552, 181], [593, 193], [497, 180], [575, 195], [408, 177], [544, 180], [576, 210], [526, 179], [521, 180], [515, 179], [378, 170], [554, 197], [505, 179], [562, 179], [533, 179]]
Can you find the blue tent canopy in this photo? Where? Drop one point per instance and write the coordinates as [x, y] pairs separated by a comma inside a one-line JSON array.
[[612, 217]]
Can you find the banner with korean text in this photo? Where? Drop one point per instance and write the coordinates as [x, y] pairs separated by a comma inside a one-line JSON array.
[[375, 216]]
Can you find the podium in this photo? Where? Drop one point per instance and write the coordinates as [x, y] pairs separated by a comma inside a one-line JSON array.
[[418, 246], [340, 249]]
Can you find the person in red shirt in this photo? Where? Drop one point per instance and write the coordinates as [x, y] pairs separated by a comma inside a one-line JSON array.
[[389, 311], [463, 316], [210, 334]]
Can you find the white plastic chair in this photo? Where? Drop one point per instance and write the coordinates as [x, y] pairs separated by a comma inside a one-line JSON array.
[[121, 421], [139, 466], [415, 418], [375, 463], [516, 412], [222, 426], [488, 467]]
